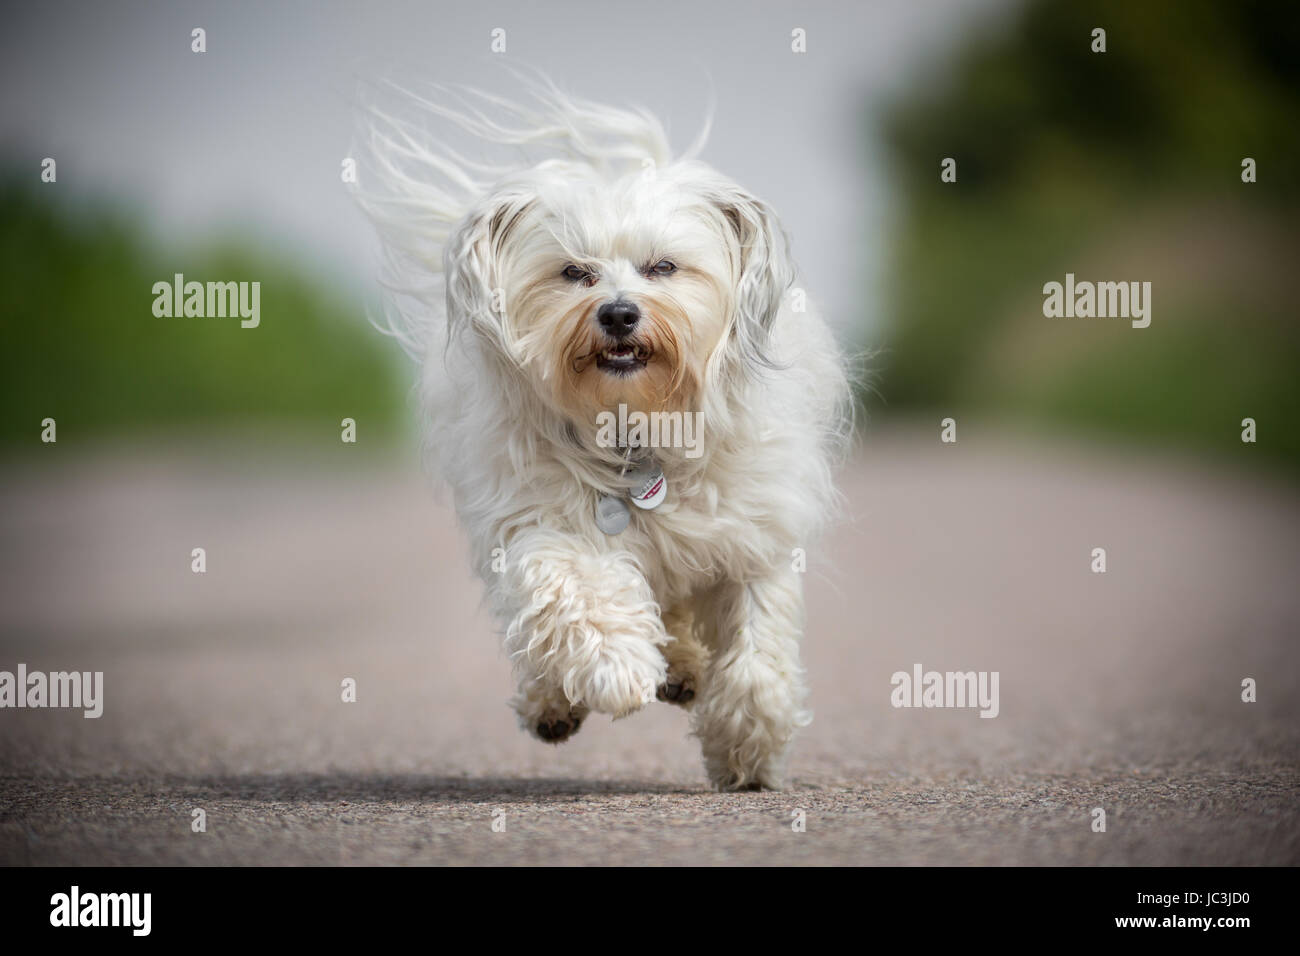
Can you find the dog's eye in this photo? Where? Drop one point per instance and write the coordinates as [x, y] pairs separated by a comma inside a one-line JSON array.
[[574, 274], [663, 268]]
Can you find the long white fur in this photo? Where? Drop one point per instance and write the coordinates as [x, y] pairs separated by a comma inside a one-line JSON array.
[[584, 613]]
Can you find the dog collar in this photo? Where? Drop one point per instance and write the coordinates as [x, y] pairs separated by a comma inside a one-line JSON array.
[[647, 490]]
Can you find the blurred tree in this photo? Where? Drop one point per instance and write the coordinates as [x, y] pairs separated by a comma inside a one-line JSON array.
[[1120, 166], [83, 346]]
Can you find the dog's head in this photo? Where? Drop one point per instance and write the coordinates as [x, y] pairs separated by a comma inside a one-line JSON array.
[[639, 289]]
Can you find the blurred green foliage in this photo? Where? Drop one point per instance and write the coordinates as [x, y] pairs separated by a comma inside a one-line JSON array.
[[83, 346], [1120, 166]]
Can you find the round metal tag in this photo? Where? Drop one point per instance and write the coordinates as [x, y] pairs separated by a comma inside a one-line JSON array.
[[612, 515]]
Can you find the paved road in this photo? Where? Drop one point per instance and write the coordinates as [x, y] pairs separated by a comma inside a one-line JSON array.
[[1119, 691]]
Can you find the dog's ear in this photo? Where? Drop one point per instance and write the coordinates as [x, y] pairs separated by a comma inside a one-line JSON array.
[[474, 262], [764, 271]]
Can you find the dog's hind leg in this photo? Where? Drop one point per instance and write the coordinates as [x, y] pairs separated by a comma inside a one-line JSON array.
[[752, 701], [686, 657]]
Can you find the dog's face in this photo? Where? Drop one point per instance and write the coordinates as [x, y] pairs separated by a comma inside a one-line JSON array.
[[631, 290]]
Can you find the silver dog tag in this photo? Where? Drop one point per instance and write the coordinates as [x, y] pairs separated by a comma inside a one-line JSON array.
[[612, 515]]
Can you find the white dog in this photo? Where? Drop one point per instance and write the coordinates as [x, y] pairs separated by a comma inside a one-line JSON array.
[[601, 273]]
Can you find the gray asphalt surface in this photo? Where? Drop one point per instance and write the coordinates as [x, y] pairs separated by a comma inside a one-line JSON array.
[[1119, 691]]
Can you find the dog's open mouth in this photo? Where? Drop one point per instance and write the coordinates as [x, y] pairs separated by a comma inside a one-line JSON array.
[[622, 359]]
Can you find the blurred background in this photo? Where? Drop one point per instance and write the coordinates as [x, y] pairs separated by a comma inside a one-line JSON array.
[[1123, 165], [328, 559]]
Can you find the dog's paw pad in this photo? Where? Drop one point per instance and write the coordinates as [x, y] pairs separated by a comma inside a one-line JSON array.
[[678, 689], [556, 729]]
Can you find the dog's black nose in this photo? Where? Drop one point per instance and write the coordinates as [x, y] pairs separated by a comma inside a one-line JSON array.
[[618, 318]]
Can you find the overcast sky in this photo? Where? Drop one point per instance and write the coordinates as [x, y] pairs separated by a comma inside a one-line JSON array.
[[248, 136]]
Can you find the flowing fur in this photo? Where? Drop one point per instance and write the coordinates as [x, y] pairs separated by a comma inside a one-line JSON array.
[[700, 593]]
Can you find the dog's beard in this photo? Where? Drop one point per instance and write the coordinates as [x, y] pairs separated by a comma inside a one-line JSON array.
[[586, 371]]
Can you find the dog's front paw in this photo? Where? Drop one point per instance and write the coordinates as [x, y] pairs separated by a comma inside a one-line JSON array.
[[556, 726], [549, 717], [591, 631], [679, 688], [686, 659], [623, 679]]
